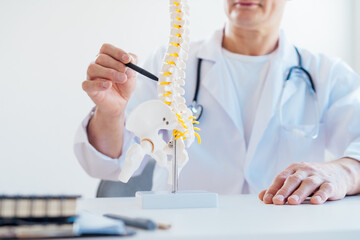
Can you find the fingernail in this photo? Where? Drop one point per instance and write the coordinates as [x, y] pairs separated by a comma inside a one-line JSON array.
[[279, 198], [125, 57], [268, 197], [105, 84], [132, 59], [295, 198], [317, 199], [120, 77]]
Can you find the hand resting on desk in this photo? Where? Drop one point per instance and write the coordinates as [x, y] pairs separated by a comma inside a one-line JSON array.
[[325, 180]]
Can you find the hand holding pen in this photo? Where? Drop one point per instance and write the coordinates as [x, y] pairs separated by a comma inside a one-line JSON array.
[[111, 68], [110, 83]]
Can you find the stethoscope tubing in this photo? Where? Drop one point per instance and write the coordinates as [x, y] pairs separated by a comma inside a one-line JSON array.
[[299, 67]]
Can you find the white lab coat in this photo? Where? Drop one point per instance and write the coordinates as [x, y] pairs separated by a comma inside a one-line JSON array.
[[223, 163]]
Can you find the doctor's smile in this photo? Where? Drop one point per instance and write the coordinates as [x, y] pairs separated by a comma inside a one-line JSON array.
[[249, 111], [246, 4]]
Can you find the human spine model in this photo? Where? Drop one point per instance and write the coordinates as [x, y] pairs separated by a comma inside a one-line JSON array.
[[172, 73], [170, 111]]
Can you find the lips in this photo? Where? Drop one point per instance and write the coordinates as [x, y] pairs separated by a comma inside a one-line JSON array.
[[246, 3]]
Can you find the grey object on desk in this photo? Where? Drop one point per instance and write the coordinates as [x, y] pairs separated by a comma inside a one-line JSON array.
[[142, 182], [142, 223]]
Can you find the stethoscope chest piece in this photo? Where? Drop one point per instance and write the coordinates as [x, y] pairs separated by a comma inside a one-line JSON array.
[[196, 109]]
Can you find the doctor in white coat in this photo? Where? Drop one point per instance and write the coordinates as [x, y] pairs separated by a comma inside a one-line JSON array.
[[245, 147]]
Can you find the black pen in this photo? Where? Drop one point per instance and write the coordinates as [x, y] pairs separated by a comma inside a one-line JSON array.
[[142, 71], [139, 222]]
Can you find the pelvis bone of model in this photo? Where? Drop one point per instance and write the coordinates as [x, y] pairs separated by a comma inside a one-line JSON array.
[[145, 121]]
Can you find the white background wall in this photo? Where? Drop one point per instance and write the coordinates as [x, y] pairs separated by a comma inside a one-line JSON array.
[[46, 45]]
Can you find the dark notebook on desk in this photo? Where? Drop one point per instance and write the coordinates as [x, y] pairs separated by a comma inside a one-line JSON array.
[[37, 216]]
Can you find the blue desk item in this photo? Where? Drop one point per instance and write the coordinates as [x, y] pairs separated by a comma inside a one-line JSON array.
[[93, 224]]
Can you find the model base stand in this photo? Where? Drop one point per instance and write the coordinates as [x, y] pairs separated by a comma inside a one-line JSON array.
[[180, 199], [175, 198]]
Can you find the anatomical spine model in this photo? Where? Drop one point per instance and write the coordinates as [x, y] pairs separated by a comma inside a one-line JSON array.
[[169, 111]]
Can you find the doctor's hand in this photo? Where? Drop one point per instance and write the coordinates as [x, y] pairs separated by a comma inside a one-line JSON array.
[[324, 181], [109, 82]]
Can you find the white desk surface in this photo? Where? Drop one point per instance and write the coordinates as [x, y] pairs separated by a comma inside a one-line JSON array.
[[242, 217]]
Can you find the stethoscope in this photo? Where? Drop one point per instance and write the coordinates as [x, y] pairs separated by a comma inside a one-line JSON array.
[[197, 109]]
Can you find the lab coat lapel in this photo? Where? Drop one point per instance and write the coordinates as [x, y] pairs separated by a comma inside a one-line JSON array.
[[217, 81], [280, 62]]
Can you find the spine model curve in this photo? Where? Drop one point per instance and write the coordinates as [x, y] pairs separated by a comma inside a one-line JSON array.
[[172, 75]]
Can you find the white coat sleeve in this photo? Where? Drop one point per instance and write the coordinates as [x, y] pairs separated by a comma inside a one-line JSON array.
[[95, 163], [342, 119]]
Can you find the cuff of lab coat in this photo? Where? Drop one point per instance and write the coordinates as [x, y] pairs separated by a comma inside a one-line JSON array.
[[95, 163], [353, 150]]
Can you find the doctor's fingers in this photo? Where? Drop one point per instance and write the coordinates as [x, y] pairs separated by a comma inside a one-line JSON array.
[[134, 58], [95, 71], [116, 53], [308, 186], [325, 192], [275, 186], [109, 62], [290, 185], [262, 194], [93, 86], [129, 72]]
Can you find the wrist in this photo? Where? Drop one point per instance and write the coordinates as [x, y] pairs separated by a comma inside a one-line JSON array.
[[105, 132], [109, 117], [104, 123], [352, 170]]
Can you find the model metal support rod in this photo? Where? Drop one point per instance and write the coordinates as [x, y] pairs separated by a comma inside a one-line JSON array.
[[175, 171]]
